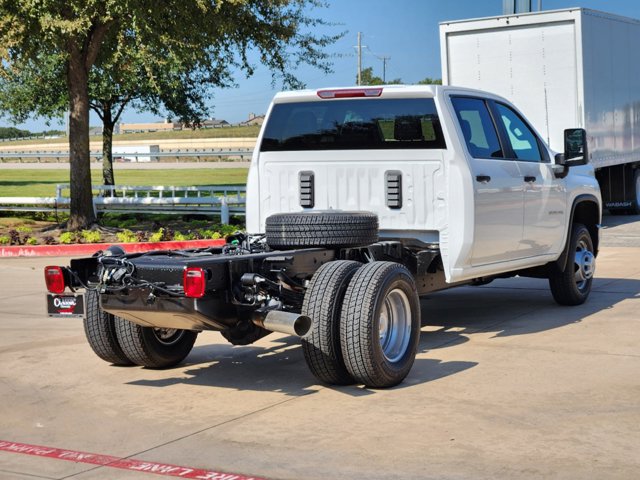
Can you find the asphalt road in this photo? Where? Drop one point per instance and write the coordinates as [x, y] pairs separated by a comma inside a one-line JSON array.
[[506, 385]]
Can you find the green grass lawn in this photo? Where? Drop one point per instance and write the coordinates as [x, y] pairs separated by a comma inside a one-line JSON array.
[[42, 183], [226, 132]]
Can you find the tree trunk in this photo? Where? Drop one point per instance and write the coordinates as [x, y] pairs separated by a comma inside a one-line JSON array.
[[107, 146], [82, 213]]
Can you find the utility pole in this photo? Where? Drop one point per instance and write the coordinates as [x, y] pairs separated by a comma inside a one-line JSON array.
[[384, 68], [359, 47]]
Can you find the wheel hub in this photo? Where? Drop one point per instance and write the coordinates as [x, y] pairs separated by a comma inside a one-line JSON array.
[[167, 336], [394, 326], [584, 265]]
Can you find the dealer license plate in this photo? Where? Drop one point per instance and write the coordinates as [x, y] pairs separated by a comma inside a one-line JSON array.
[[65, 305]]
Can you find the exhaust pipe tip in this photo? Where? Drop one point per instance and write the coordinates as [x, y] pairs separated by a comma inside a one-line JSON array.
[[284, 322], [302, 325]]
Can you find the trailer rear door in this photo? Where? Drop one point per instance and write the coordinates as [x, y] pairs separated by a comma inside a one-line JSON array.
[[532, 65]]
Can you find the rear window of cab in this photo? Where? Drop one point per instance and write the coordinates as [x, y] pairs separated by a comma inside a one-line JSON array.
[[354, 124]]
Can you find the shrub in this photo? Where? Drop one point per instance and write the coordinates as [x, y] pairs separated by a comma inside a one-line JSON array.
[[91, 236], [157, 236], [14, 237], [5, 240], [198, 223], [23, 229], [67, 237], [181, 237], [210, 234], [126, 236], [194, 235], [167, 234], [31, 241], [130, 222]]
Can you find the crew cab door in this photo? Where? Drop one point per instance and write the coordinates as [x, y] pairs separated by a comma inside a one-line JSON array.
[[544, 194], [498, 185]]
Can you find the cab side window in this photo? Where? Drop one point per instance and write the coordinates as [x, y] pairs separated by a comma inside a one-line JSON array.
[[523, 141], [477, 127]]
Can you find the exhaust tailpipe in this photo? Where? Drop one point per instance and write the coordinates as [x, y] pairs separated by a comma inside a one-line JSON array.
[[283, 322]]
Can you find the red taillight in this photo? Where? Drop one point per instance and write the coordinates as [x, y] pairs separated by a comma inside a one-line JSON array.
[[194, 282], [54, 276], [350, 93]]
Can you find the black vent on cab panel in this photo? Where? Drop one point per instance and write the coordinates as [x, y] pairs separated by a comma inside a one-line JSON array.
[[306, 190], [393, 179]]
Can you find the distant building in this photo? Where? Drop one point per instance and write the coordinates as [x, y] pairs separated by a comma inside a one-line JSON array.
[[168, 125], [254, 120], [214, 123], [149, 127]]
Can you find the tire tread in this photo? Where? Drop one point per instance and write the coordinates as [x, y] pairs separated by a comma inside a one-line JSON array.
[[322, 303], [100, 331], [562, 283], [356, 335], [317, 229], [138, 344]]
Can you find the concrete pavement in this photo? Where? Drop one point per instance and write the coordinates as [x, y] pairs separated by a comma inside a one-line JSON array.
[[506, 385]]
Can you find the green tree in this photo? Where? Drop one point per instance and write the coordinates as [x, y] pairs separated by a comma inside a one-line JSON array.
[[12, 132], [368, 78], [197, 42], [430, 81]]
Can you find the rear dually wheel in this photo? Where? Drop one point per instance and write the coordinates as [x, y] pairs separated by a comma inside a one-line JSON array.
[[154, 347], [322, 303], [380, 324], [100, 330]]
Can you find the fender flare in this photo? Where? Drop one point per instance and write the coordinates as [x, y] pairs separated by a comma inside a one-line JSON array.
[[584, 198]]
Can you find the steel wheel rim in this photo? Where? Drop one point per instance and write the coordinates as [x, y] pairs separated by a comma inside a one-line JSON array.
[[584, 265], [394, 327], [167, 336]]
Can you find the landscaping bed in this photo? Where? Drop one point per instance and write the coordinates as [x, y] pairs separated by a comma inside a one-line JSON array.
[[41, 229]]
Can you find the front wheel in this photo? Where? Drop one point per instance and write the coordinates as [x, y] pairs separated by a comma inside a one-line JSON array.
[[572, 285], [380, 324], [154, 347]]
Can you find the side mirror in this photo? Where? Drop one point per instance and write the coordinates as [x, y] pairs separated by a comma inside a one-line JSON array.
[[576, 151]]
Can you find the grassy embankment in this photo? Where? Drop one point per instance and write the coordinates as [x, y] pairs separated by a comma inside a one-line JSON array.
[[42, 183], [226, 132]]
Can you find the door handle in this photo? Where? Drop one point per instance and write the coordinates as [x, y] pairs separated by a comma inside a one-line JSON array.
[[529, 179], [483, 178]]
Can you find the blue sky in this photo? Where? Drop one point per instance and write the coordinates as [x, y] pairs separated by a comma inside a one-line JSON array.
[[404, 30]]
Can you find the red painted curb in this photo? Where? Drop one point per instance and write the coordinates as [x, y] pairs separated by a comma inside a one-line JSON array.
[[91, 248], [109, 461]]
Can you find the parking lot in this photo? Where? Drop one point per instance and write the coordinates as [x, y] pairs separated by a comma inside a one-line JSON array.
[[506, 385]]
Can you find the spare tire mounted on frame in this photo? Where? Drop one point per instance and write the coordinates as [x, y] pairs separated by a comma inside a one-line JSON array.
[[326, 229]]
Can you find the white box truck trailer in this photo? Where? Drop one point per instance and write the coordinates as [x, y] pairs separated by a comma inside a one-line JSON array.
[[564, 69]]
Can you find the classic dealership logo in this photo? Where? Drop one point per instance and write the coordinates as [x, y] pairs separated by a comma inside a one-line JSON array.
[[67, 303]]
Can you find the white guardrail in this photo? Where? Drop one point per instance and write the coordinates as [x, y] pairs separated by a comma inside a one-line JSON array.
[[215, 200], [63, 156]]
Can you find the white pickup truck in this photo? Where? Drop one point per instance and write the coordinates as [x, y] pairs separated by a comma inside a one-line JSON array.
[[366, 199]]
